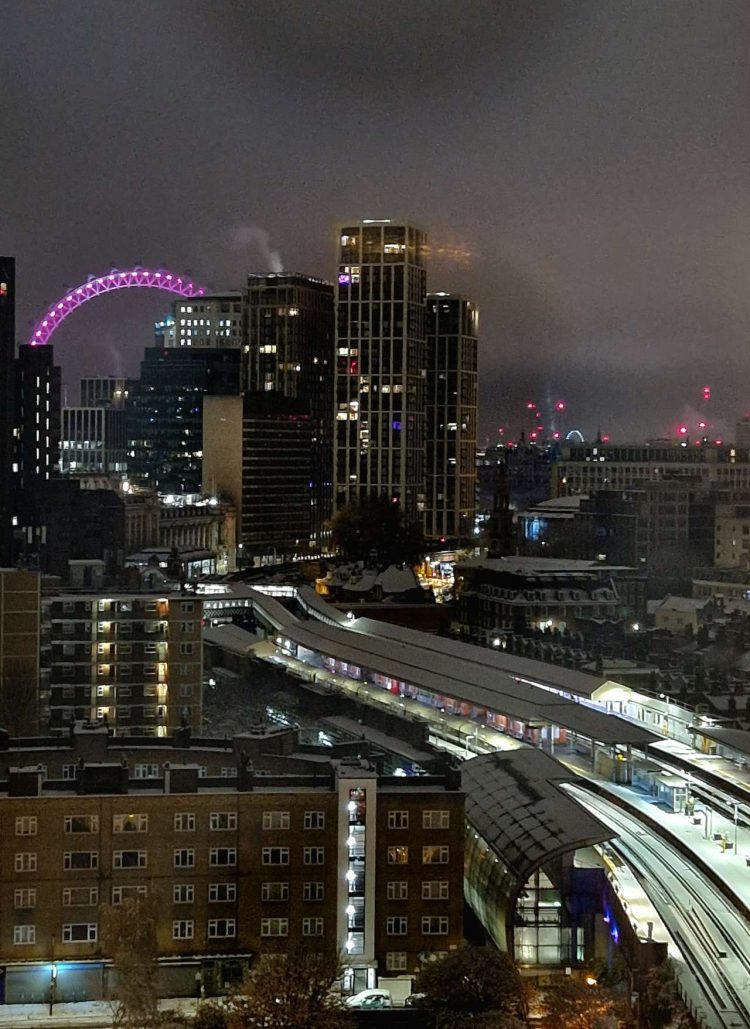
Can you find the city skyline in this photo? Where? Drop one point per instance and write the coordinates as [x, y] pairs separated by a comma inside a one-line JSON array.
[[579, 172]]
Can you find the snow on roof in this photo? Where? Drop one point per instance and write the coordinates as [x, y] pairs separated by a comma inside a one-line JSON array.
[[230, 637], [359, 582], [558, 507], [524, 565], [735, 739], [514, 800], [398, 580], [358, 579], [530, 692]]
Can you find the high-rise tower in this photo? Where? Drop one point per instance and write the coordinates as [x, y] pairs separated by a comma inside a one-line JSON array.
[[290, 340], [379, 376], [7, 393], [451, 411]]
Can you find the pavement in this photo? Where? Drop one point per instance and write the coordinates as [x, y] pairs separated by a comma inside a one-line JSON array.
[[733, 771], [730, 865], [90, 1013]]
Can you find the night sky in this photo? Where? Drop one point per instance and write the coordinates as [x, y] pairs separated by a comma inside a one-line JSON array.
[[581, 167]]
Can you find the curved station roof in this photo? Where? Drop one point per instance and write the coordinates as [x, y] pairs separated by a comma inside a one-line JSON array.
[[514, 800]]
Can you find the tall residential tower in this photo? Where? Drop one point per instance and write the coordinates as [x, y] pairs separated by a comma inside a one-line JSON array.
[[290, 355], [451, 410], [379, 433], [7, 377]]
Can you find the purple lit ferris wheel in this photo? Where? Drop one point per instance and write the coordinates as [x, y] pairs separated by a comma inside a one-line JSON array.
[[95, 287]]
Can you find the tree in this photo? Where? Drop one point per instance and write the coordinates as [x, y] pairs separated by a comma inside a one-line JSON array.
[[663, 1003], [289, 991], [472, 986], [375, 530], [129, 938], [576, 1005]]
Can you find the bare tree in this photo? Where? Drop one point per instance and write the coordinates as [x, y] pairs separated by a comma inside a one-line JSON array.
[[130, 940], [289, 991]]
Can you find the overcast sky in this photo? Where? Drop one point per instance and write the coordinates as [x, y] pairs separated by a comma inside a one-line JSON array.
[[581, 167]]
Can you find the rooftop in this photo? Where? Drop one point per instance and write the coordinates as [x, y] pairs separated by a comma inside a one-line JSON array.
[[514, 800]]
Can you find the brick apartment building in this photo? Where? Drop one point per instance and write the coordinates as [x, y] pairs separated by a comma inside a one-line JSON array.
[[132, 659], [241, 864]]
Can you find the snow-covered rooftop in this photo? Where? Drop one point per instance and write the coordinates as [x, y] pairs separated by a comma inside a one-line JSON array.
[[514, 800]]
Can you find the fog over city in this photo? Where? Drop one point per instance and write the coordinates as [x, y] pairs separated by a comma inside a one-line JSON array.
[[581, 170]]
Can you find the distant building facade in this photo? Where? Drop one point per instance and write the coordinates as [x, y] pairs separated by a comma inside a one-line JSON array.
[[257, 452], [517, 594], [20, 649], [132, 659], [290, 327], [450, 415], [7, 405], [94, 440], [165, 435], [213, 321]]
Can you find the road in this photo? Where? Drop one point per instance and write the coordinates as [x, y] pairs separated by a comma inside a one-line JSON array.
[[712, 937]]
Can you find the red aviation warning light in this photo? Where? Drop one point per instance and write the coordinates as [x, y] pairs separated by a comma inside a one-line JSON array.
[[683, 430], [531, 406], [706, 392], [560, 405]]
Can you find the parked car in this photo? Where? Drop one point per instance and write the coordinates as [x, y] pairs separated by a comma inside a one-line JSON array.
[[370, 999]]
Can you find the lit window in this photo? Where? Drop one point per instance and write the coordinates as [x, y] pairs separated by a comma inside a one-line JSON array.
[[398, 855], [130, 823], [435, 855]]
